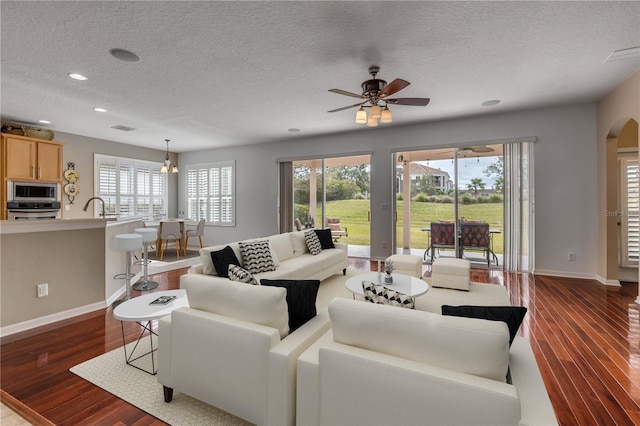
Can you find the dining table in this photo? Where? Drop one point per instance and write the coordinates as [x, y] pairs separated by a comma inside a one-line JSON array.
[[157, 223]]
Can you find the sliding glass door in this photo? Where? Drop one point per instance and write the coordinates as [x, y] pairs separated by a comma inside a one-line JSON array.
[[329, 193], [454, 202]]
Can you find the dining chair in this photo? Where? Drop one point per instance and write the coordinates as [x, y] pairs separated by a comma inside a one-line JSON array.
[[170, 231], [198, 232]]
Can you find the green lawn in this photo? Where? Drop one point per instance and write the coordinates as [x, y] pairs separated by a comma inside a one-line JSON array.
[[353, 215]]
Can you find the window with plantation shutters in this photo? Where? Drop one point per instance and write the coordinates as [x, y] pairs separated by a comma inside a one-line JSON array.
[[210, 193], [629, 223], [130, 187]]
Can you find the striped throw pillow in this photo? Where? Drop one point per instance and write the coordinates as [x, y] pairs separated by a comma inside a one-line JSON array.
[[236, 273], [256, 256]]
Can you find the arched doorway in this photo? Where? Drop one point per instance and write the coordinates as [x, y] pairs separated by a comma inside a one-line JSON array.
[[621, 201]]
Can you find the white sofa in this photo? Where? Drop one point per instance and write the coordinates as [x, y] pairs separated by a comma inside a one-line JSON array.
[[382, 365], [295, 261], [231, 349]]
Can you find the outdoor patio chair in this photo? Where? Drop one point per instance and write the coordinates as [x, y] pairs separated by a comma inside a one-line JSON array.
[[337, 230], [442, 236], [476, 236]]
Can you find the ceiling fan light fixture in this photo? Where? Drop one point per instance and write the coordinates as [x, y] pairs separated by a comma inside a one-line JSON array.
[[376, 111], [372, 122], [361, 116], [386, 117]]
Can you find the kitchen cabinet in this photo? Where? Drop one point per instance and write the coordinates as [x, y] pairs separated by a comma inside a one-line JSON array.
[[32, 159]]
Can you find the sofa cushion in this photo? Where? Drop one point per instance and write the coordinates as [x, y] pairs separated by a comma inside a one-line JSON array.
[[281, 246], [313, 242], [298, 243], [467, 345], [301, 299], [222, 259], [376, 293], [236, 273], [324, 235], [251, 303], [256, 256], [511, 315]]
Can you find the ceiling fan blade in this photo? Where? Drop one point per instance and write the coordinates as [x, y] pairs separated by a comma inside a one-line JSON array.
[[408, 101], [343, 108], [393, 87], [344, 92]]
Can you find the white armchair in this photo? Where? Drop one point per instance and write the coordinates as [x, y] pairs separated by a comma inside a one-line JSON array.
[[230, 349], [382, 365]]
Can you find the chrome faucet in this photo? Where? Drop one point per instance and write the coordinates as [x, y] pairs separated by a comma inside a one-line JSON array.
[[86, 206]]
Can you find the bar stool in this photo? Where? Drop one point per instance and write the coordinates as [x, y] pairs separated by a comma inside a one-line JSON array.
[[149, 235], [128, 243]]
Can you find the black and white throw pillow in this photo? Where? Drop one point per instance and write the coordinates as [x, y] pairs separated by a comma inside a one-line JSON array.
[[313, 242], [375, 293], [256, 256], [241, 275]]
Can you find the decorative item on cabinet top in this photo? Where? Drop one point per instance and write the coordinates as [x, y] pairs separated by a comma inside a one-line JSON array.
[[31, 132]]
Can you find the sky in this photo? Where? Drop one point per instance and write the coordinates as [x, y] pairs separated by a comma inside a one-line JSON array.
[[468, 168]]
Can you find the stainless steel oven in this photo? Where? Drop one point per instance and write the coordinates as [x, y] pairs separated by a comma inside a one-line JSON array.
[[42, 192], [33, 200], [33, 211]]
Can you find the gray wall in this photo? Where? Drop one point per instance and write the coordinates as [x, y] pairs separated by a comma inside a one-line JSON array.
[[80, 150], [565, 178]]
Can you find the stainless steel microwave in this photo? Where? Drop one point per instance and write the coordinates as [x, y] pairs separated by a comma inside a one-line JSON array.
[[33, 191]]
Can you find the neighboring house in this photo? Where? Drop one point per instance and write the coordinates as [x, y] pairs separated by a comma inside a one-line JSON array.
[[441, 179]]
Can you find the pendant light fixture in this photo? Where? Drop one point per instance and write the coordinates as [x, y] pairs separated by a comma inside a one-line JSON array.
[[168, 165]]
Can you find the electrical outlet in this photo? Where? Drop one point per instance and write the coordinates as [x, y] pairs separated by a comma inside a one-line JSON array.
[[572, 256], [43, 290]]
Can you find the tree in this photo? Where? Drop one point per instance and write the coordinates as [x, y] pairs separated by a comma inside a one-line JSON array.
[[475, 185], [357, 174], [424, 184], [496, 171]]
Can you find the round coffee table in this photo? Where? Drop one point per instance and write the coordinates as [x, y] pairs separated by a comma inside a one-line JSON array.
[[405, 284], [141, 310]]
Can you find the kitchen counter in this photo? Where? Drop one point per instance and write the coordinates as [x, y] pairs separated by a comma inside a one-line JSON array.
[[44, 225]]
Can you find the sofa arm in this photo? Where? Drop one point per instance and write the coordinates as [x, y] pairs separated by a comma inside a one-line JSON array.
[[208, 348], [164, 351], [341, 246], [354, 379], [283, 360], [196, 269], [526, 377]]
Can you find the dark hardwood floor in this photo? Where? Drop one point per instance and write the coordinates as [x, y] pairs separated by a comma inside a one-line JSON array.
[[586, 338]]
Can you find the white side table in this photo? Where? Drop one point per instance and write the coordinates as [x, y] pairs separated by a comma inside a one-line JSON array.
[[140, 310]]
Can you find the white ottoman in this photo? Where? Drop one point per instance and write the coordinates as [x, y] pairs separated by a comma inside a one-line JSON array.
[[451, 273], [406, 264]]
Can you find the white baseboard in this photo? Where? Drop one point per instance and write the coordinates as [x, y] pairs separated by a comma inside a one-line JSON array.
[[48, 319], [59, 316], [612, 283]]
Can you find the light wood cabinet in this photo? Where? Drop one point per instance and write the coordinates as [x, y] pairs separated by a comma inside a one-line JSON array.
[[28, 159], [32, 159]]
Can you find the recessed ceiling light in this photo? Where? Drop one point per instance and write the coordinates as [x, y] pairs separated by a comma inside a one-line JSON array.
[[44, 122], [100, 109], [491, 102], [124, 55], [619, 55], [77, 76], [293, 130]]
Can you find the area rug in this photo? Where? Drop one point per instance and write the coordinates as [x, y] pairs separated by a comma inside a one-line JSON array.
[[142, 390]]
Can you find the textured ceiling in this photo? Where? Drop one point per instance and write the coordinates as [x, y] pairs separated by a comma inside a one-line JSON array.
[[215, 74]]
